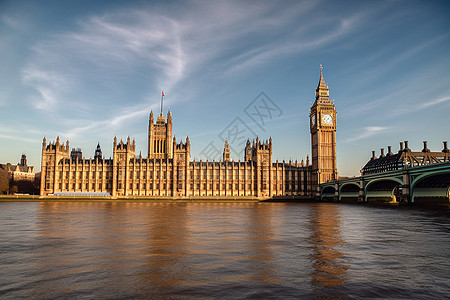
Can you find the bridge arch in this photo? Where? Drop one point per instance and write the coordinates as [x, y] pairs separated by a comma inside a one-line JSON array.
[[327, 192], [383, 189], [349, 192], [432, 187]]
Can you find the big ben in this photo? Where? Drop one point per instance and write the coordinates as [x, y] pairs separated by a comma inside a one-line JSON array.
[[323, 135]]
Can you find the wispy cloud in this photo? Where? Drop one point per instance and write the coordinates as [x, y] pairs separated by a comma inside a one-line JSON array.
[[435, 102], [19, 138], [368, 132], [49, 84], [195, 40], [110, 124], [100, 52]]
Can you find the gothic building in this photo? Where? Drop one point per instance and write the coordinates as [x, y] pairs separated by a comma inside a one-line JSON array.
[[168, 171]]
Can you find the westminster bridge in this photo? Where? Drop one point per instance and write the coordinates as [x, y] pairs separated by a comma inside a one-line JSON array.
[[422, 184]]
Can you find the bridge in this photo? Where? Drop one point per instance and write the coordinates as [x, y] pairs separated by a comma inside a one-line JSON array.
[[422, 184]]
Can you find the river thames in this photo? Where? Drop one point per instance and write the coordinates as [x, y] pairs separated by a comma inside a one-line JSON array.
[[222, 250]]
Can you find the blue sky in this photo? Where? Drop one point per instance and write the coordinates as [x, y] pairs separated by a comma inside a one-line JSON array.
[[90, 70]]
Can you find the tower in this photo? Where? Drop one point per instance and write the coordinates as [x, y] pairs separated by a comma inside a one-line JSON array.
[[160, 136], [23, 160], [323, 135], [226, 152], [98, 153]]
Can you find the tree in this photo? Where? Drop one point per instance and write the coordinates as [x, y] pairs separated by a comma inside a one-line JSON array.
[[4, 181]]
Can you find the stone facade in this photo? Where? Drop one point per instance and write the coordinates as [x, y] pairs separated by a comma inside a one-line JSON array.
[[21, 171], [167, 171]]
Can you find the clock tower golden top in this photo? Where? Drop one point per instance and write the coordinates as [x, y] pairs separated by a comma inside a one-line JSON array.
[[322, 91]]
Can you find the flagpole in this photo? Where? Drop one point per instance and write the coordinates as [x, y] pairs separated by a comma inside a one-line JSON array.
[[162, 95]]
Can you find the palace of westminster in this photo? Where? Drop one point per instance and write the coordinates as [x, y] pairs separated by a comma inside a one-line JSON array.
[[167, 171]]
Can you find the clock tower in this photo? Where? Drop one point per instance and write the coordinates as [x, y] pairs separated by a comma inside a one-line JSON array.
[[323, 135]]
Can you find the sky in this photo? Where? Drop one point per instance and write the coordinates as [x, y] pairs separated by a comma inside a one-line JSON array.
[[91, 70]]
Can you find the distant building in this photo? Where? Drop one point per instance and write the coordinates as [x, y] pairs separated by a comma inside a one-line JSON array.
[[404, 158], [21, 171], [168, 171], [76, 154]]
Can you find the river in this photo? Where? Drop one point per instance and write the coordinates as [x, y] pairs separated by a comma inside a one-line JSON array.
[[222, 250]]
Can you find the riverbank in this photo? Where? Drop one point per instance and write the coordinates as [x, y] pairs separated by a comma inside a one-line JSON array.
[[31, 198]]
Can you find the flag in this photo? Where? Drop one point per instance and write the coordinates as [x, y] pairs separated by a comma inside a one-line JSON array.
[[162, 93]]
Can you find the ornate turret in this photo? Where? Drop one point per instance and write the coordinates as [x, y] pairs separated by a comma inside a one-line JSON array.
[[98, 153], [23, 160], [226, 151]]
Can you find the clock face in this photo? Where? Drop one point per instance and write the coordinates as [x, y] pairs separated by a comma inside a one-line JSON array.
[[313, 120], [327, 119]]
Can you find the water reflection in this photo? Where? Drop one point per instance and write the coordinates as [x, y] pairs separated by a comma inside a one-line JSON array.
[[166, 242], [329, 270], [136, 247], [128, 250], [261, 243]]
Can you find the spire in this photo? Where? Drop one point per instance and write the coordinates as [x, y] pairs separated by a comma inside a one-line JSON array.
[[98, 152], [169, 116], [322, 91], [226, 151]]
